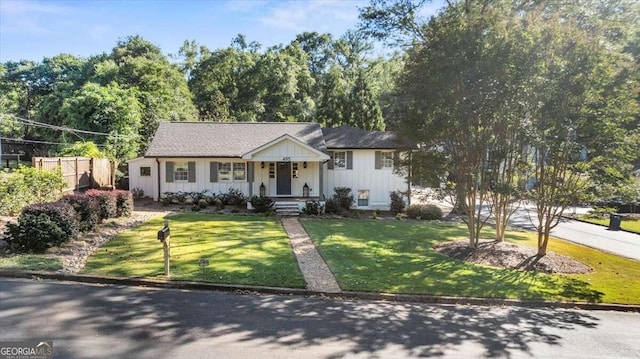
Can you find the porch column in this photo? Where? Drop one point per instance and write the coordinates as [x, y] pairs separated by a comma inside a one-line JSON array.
[[321, 179]]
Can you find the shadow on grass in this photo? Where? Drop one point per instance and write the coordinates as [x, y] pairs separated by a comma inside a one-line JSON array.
[[398, 258], [240, 250], [171, 323]]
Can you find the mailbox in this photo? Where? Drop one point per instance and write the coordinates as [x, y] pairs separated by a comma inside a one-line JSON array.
[[163, 234]]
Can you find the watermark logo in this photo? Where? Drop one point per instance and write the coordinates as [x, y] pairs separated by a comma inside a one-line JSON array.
[[26, 349]]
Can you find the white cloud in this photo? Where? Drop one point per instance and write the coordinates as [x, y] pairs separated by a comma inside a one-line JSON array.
[[30, 16], [319, 15]]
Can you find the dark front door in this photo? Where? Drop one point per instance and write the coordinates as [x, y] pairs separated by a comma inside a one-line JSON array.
[[284, 178]]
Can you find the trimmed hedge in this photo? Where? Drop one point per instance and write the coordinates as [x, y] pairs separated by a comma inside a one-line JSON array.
[[424, 211], [107, 202], [124, 203], [87, 209], [41, 226]]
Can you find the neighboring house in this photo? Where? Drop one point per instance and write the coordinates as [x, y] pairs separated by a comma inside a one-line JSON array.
[[278, 160]]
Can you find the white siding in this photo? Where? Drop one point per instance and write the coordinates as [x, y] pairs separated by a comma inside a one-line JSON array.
[[148, 184], [202, 177], [284, 151], [364, 176]]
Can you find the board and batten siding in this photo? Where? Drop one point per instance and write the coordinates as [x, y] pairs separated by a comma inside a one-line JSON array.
[[202, 178], [148, 184], [364, 176]]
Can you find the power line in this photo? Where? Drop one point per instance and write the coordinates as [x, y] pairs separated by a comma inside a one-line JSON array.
[[62, 128], [36, 141]]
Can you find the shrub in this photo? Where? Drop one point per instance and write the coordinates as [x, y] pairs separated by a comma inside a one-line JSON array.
[[107, 201], [196, 197], [343, 197], [397, 202], [235, 197], [28, 185], [87, 209], [602, 212], [424, 211], [181, 197], [167, 198], [313, 208], [261, 204], [41, 226], [124, 203], [137, 192]]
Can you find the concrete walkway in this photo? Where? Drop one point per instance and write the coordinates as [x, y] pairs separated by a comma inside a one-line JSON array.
[[314, 269]]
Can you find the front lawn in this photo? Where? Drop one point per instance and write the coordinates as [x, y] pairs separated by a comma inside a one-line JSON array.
[[240, 250], [629, 224], [396, 257], [36, 262]]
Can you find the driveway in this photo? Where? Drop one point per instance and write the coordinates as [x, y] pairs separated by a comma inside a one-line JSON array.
[[104, 321]]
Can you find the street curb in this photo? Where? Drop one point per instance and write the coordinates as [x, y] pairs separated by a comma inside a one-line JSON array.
[[346, 295]]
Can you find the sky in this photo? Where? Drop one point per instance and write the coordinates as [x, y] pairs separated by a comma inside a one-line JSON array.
[[32, 30]]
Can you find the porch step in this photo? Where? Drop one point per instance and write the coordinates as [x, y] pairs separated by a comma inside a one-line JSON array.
[[287, 208]]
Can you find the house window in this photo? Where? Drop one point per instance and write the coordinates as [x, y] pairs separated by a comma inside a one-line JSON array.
[[225, 171], [181, 171], [340, 159], [232, 171], [363, 198], [272, 170], [386, 159], [145, 171], [239, 171]]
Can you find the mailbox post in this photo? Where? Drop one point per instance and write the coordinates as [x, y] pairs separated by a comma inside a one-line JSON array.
[[163, 236]]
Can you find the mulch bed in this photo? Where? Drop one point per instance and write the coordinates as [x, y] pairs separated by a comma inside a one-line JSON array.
[[511, 255]]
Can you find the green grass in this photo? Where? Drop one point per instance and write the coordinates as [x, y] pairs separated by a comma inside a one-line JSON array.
[[396, 257], [629, 224], [240, 249], [31, 262]]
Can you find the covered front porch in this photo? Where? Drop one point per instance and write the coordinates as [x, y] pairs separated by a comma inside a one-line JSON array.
[[288, 169]]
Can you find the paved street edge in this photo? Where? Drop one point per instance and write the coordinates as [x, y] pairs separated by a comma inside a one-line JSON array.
[[345, 295]]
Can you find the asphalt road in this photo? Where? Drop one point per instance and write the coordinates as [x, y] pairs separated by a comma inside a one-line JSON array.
[[622, 243], [95, 321]]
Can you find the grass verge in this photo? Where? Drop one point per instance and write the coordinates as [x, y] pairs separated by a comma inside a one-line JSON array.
[[240, 250], [31, 262], [629, 224], [396, 257]]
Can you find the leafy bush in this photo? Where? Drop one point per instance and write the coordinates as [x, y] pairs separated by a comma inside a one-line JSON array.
[[28, 185], [124, 203], [167, 198], [261, 204], [41, 226], [331, 206], [196, 197], [87, 209], [107, 201], [313, 208], [343, 197], [137, 192], [234, 197], [424, 211], [397, 202]]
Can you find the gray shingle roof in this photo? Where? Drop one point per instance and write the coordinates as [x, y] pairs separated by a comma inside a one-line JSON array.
[[355, 138], [227, 139]]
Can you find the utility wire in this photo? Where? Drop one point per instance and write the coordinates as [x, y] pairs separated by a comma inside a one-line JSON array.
[[61, 128], [36, 141]]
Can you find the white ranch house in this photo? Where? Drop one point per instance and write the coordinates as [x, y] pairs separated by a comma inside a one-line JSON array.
[[284, 161]]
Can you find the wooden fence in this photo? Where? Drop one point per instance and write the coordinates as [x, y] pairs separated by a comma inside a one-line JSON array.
[[78, 172]]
